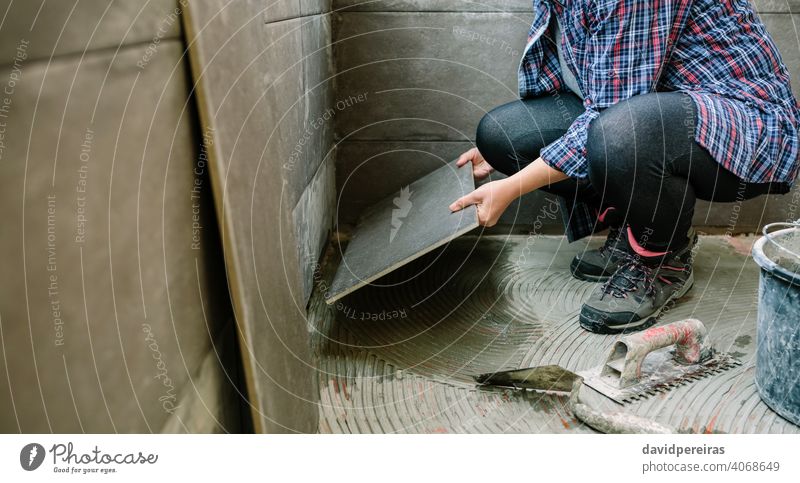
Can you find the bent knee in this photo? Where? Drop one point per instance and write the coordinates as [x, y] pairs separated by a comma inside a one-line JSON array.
[[491, 133], [493, 140], [485, 135], [611, 140], [600, 148]]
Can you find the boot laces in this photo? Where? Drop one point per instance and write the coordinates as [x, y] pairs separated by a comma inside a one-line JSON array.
[[628, 277], [612, 242]]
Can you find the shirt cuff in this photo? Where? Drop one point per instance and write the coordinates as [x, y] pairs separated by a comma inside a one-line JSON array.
[[568, 160]]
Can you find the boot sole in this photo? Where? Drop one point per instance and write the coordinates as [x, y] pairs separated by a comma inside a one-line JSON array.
[[601, 327]]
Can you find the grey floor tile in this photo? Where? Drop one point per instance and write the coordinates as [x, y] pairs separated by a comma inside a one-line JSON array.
[[405, 226]]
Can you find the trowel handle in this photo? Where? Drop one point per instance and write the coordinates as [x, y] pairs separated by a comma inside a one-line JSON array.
[[628, 354], [687, 335]]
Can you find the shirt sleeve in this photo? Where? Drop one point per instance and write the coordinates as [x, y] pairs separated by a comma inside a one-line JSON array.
[[539, 71], [626, 46], [568, 153]]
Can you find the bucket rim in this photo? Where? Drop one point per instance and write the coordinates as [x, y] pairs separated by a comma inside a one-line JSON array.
[[768, 264]]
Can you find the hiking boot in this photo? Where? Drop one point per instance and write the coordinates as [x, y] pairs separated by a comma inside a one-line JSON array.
[[638, 292], [599, 264]]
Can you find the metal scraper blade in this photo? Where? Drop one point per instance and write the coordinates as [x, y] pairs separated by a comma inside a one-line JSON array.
[[543, 378], [660, 373]]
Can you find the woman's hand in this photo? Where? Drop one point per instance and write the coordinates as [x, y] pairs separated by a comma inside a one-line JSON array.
[[480, 167], [491, 200]]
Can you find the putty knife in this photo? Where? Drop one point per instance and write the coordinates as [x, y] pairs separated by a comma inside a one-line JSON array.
[[543, 378]]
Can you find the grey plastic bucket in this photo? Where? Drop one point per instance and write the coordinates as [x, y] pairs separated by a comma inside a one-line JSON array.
[[778, 329]]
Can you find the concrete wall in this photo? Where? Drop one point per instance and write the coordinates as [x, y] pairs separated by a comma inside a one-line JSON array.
[[263, 75], [432, 68], [114, 312]]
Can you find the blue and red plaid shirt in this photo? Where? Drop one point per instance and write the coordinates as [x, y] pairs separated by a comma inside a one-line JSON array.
[[717, 51]]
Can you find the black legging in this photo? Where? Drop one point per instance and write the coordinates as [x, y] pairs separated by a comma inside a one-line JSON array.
[[641, 154]]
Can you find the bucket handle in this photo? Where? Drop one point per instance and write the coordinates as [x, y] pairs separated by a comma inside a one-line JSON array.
[[767, 231]]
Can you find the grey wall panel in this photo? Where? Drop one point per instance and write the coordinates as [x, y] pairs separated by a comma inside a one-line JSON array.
[[317, 101], [111, 298], [748, 216], [430, 76], [212, 401], [252, 79], [312, 218], [73, 26], [777, 6], [277, 10]]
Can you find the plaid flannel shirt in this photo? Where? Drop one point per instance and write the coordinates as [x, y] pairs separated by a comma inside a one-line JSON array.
[[717, 51]]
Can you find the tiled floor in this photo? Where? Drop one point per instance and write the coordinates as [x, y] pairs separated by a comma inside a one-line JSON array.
[[399, 357]]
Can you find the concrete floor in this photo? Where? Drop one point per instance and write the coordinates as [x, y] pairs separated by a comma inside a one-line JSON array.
[[398, 356]]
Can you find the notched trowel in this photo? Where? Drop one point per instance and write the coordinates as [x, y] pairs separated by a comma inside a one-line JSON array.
[[639, 365], [657, 360]]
